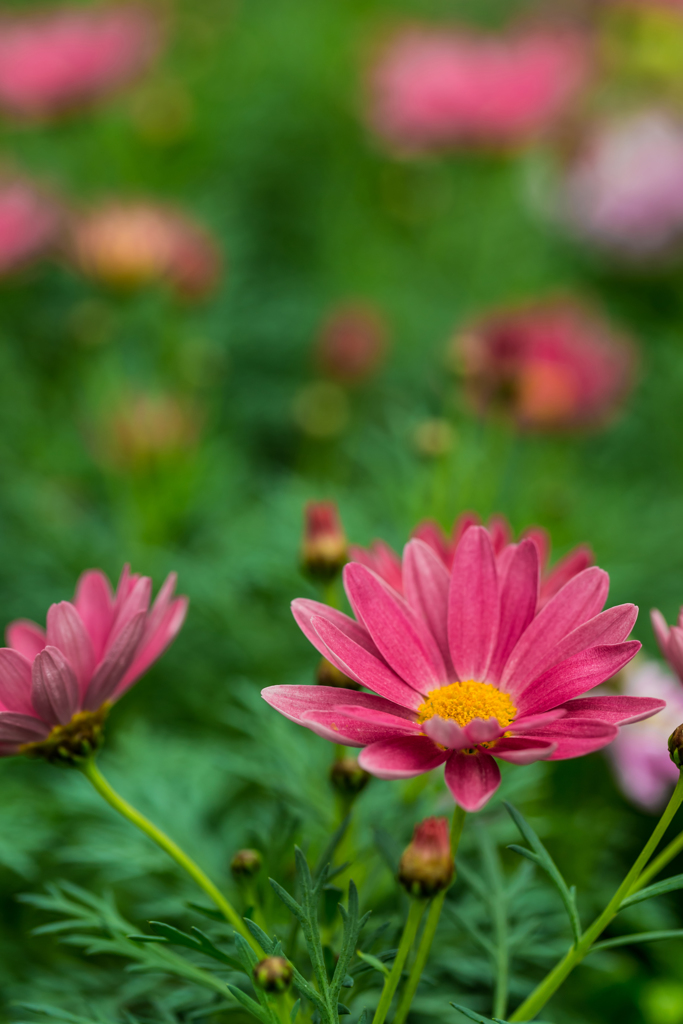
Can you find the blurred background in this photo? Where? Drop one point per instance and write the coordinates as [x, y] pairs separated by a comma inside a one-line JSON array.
[[412, 256]]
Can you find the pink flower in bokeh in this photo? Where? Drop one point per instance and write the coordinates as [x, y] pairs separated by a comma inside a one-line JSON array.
[[132, 244], [623, 190], [94, 649], [29, 223], [640, 756], [52, 61], [433, 87], [384, 561], [352, 342], [670, 640], [464, 667], [553, 365]]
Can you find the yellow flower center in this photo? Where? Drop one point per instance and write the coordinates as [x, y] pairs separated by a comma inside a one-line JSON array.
[[464, 701]]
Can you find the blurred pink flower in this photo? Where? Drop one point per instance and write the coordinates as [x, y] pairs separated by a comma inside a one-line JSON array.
[[465, 667], [670, 640], [640, 756], [624, 189], [94, 649], [553, 365], [145, 428], [384, 561], [29, 222], [434, 87], [132, 244], [352, 342], [54, 60]]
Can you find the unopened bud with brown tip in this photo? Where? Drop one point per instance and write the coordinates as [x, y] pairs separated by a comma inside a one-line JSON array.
[[347, 776], [328, 674], [324, 548], [246, 863], [676, 746], [427, 863], [274, 974]]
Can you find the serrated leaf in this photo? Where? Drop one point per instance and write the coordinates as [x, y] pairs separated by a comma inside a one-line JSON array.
[[629, 940], [659, 889], [198, 941], [373, 962], [288, 900]]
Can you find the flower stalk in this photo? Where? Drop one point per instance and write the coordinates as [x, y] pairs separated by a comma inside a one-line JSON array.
[[417, 908]]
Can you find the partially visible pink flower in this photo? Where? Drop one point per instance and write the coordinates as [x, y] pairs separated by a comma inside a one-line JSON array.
[[464, 669], [553, 365], [640, 755], [29, 223], [670, 639], [52, 61], [352, 342], [94, 649], [132, 244], [384, 561], [433, 87], [623, 190]]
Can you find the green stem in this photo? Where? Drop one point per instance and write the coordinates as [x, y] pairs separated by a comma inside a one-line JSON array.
[[429, 929], [407, 939], [667, 854], [94, 776], [542, 993]]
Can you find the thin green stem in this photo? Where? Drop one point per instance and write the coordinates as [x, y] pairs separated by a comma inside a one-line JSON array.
[[429, 929], [95, 777], [406, 944], [499, 919], [542, 993], [668, 853]]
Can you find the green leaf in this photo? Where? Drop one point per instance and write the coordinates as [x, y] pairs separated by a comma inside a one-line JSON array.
[[363, 1019], [374, 962], [545, 861], [329, 851], [211, 912], [295, 1011], [342, 1010], [629, 940], [659, 889], [466, 1012], [260, 1012], [288, 901], [267, 944], [198, 941]]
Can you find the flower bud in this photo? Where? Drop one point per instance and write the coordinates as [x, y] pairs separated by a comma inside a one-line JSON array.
[[347, 776], [352, 343], [274, 974], [246, 863], [328, 674], [427, 863], [676, 746], [324, 546]]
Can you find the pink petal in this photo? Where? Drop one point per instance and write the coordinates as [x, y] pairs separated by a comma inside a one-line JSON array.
[[401, 758], [574, 676], [474, 605], [55, 692], [95, 604], [66, 631], [154, 643], [541, 541], [461, 524], [483, 730], [576, 737], [136, 601], [357, 726], [446, 733], [518, 600], [15, 682], [381, 559], [403, 640], [426, 583], [609, 627], [529, 723], [579, 600], [26, 637], [674, 650], [472, 779], [295, 701], [568, 567], [523, 749], [615, 710], [19, 729], [115, 663], [355, 662], [431, 534], [660, 629], [499, 532], [303, 609]]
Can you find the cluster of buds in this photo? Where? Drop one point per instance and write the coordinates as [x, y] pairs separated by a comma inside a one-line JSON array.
[[324, 548], [426, 866]]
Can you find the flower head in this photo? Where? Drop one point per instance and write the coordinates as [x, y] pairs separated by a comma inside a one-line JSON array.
[[323, 551], [435, 87], [56, 685], [352, 343], [553, 365], [639, 755], [464, 668], [52, 61], [29, 223], [386, 563], [427, 863]]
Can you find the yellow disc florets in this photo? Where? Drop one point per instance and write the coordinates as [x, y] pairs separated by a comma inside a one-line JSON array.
[[464, 701]]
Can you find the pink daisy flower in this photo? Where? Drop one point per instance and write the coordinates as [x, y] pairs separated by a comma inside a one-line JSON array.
[[383, 560], [57, 685], [464, 669], [29, 223]]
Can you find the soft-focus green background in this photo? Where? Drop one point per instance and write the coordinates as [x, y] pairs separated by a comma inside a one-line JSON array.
[[273, 156]]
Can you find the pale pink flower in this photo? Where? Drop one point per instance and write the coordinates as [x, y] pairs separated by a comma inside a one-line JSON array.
[[552, 365], [464, 668], [29, 223], [433, 87], [94, 649], [54, 60], [640, 756], [623, 190], [384, 561], [670, 639]]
